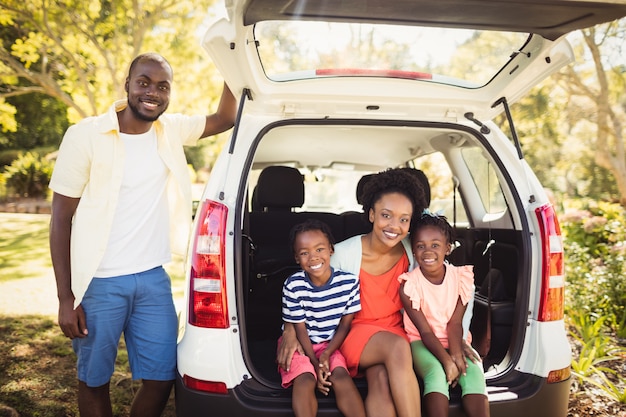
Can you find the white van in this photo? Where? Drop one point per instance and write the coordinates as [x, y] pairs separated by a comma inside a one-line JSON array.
[[332, 91]]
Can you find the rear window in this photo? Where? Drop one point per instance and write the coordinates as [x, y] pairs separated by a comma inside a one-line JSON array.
[[298, 49]]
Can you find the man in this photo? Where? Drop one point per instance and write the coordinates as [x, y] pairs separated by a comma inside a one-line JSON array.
[[121, 205]]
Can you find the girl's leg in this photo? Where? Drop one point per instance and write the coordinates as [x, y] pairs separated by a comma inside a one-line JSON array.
[[394, 353], [436, 405], [473, 385], [436, 390], [349, 400], [303, 401], [476, 405]]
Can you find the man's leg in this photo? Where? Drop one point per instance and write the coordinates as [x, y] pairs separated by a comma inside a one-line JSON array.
[[94, 401], [106, 309], [150, 336], [151, 398]]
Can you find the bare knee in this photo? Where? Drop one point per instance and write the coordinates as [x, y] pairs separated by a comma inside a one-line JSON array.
[[399, 355]]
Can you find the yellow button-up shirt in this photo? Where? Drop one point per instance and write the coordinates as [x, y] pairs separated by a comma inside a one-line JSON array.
[[90, 166]]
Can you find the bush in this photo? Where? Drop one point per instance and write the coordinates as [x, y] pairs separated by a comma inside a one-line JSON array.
[[29, 175], [595, 253]]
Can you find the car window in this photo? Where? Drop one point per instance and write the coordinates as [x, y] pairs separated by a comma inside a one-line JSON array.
[[486, 181], [443, 199], [295, 50], [325, 189]]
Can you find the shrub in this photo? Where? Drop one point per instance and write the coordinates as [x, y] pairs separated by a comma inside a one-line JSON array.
[[595, 253], [29, 175]]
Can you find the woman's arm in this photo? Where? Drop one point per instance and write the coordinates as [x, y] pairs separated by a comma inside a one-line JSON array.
[[289, 344]]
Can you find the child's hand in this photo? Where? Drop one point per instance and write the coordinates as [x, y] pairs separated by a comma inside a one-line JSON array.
[[323, 373], [460, 362], [452, 372]]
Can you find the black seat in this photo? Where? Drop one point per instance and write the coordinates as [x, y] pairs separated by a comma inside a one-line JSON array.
[[278, 193]]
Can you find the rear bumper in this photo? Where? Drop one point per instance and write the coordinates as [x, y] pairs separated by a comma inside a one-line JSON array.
[[531, 396]]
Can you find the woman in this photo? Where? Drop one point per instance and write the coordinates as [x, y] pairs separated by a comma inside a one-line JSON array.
[[377, 345]]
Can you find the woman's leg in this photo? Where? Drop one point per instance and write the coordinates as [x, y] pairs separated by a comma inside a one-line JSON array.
[[349, 400], [303, 401], [394, 353], [378, 401]]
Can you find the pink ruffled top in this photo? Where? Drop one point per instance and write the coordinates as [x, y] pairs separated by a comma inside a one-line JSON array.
[[437, 302]]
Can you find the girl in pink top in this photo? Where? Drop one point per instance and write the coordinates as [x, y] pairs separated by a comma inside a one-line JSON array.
[[434, 296]]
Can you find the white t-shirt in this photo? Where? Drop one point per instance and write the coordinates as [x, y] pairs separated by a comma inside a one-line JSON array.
[[139, 238]]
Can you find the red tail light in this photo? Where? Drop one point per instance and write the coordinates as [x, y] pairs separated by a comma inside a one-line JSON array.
[[206, 386], [552, 299], [207, 292]]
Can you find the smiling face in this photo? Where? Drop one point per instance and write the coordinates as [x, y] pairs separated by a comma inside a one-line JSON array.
[[391, 218], [148, 86], [430, 247], [312, 252]]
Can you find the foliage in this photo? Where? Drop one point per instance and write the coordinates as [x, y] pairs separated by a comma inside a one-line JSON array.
[[593, 90], [78, 51], [595, 245], [41, 121], [29, 175], [595, 249], [599, 357]]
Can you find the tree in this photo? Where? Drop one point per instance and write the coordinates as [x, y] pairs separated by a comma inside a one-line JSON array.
[[78, 51], [596, 98]]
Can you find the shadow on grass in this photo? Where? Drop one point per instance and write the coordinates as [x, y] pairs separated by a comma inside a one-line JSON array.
[[38, 371]]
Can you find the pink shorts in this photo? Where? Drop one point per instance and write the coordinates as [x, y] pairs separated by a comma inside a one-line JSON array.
[[301, 364]]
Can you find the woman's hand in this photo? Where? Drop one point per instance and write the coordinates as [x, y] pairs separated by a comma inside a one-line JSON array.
[[470, 352], [288, 345]]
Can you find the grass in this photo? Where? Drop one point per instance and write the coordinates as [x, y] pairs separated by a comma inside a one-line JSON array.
[[24, 249], [37, 363], [38, 371]]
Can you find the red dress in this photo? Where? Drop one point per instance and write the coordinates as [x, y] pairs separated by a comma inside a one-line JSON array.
[[380, 311]]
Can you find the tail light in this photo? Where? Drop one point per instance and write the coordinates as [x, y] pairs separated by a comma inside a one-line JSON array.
[[552, 299], [207, 293]]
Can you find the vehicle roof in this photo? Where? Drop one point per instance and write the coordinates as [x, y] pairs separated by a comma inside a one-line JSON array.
[[549, 18]]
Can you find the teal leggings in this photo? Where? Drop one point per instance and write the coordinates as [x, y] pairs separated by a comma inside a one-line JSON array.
[[431, 371]]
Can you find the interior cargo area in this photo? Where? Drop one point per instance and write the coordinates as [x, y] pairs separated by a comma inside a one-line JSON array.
[[454, 169]]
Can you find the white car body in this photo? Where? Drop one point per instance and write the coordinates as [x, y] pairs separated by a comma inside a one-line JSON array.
[[289, 122]]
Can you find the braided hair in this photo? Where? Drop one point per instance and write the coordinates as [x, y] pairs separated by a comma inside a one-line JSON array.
[[439, 221]]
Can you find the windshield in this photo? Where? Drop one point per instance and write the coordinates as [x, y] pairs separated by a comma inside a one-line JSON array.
[[299, 49]]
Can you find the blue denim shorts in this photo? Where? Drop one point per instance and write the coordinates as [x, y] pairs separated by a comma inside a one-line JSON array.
[[141, 307]]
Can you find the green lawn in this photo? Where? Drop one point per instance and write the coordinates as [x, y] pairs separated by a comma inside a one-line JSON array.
[[37, 365], [24, 250]]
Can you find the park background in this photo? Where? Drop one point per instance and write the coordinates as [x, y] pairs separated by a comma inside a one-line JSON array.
[[65, 60]]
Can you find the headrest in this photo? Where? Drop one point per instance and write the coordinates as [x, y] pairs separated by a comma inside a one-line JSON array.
[[280, 188]]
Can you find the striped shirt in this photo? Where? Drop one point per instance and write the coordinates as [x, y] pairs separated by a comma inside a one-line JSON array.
[[320, 308]]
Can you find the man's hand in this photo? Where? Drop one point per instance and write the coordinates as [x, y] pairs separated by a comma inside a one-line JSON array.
[[72, 321]]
